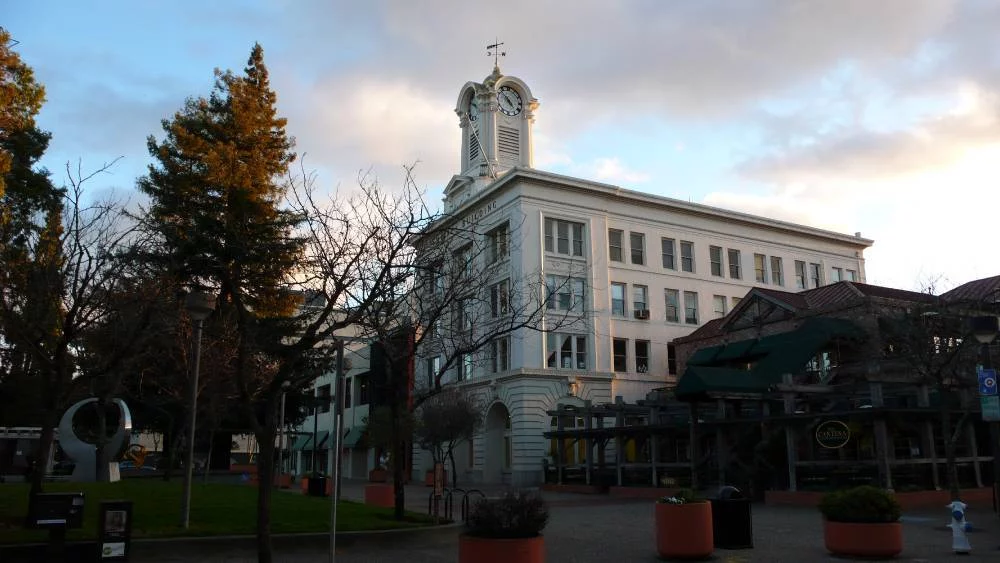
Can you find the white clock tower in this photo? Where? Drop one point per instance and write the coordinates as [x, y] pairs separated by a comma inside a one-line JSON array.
[[496, 118]]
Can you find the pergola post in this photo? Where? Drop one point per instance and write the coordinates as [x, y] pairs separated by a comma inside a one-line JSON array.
[[589, 454], [619, 446], [974, 449], [654, 447], [721, 453], [560, 454]]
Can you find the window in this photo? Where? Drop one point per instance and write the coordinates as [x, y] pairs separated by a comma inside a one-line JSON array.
[[800, 274], [564, 237], [815, 275], [323, 398], [734, 264], [565, 294], [462, 316], [640, 298], [465, 367], [637, 242], [691, 307], [500, 354], [362, 390], [715, 256], [435, 279], [615, 245], [500, 299], [642, 356], [687, 256], [760, 268], [433, 369], [499, 242], [618, 299], [562, 349], [673, 304], [463, 262], [667, 248], [348, 388], [777, 273], [671, 360], [619, 351], [719, 305], [736, 301], [852, 276], [838, 275]]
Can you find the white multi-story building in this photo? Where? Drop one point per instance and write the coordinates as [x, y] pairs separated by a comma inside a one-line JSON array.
[[639, 269]]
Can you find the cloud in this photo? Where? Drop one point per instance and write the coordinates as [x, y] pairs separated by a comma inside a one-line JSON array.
[[612, 170]]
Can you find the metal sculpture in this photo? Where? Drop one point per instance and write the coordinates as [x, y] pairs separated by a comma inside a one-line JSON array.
[[84, 454]]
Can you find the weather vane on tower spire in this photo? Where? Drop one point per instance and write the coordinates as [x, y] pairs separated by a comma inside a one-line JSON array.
[[495, 52]]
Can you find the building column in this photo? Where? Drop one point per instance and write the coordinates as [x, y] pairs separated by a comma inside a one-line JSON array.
[[693, 434], [883, 441], [791, 439], [721, 449], [974, 448]]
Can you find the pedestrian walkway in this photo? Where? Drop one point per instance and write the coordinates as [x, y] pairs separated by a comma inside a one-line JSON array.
[[599, 529]]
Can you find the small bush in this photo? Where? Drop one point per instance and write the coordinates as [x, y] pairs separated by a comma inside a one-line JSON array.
[[683, 496], [863, 505], [515, 515]]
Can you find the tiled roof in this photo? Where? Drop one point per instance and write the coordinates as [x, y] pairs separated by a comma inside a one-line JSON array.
[[796, 300], [976, 290], [892, 293], [711, 328]]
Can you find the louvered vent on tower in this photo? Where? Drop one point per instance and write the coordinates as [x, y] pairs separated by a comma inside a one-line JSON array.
[[473, 147], [508, 143]]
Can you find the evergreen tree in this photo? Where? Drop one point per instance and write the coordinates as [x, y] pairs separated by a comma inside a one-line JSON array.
[[20, 100], [217, 190]]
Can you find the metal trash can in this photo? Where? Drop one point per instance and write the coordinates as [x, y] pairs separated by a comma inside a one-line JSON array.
[[732, 522]]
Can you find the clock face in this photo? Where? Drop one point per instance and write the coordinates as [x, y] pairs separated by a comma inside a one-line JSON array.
[[509, 100]]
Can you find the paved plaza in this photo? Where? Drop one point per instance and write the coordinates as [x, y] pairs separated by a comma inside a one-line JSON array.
[[588, 528]]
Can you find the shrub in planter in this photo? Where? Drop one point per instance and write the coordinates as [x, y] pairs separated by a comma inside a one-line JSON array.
[[862, 522], [505, 529], [684, 526]]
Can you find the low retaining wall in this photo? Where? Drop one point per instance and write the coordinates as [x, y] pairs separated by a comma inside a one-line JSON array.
[[581, 489], [980, 498]]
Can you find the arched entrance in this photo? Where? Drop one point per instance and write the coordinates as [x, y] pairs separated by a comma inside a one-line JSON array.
[[498, 453]]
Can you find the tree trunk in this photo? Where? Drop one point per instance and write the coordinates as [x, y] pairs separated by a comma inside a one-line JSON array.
[[454, 474], [949, 450], [174, 444], [41, 460], [208, 461], [101, 472], [265, 486], [399, 477]]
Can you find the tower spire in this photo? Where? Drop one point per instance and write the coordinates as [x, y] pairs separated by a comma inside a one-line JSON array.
[[495, 52]]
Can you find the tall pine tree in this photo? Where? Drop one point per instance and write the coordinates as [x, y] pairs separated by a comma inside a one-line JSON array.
[[217, 190]]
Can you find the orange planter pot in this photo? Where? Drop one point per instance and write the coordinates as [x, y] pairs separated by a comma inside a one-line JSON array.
[[380, 494], [378, 475], [684, 531], [487, 550], [863, 540]]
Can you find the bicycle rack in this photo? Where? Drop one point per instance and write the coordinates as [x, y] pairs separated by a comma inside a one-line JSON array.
[[465, 501], [447, 503]]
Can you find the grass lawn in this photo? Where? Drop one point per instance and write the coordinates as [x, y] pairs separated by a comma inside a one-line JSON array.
[[216, 509]]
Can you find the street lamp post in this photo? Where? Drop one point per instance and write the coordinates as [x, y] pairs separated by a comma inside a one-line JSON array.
[[199, 306], [281, 429], [985, 330]]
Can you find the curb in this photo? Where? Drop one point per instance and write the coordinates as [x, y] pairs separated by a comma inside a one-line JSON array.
[[86, 549]]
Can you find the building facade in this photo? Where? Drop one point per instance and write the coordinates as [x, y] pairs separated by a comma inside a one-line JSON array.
[[631, 270]]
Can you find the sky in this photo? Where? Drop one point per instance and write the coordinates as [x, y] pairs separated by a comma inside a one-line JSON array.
[[879, 117]]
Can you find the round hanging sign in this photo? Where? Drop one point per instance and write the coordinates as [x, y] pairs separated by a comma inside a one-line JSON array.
[[833, 434]]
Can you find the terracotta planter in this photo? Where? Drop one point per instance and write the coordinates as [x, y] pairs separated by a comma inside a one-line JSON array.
[[429, 478], [684, 531], [380, 494], [487, 550], [378, 475], [304, 486], [863, 540]]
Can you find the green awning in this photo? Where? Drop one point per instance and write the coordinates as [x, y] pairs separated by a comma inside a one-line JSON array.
[[353, 437], [698, 381], [736, 350], [789, 352], [301, 441], [704, 356], [321, 439]]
